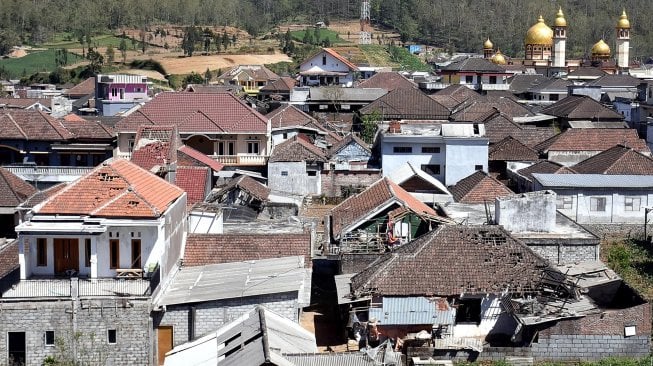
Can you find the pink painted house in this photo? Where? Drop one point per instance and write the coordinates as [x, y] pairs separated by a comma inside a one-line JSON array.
[[116, 94]]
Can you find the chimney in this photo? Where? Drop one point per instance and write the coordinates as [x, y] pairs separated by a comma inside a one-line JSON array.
[[394, 127]]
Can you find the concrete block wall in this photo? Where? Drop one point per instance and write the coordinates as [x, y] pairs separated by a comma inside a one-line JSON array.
[[91, 321], [333, 181], [590, 347], [211, 315], [619, 231], [560, 254]]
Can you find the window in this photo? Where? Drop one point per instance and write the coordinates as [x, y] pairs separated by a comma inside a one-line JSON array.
[[114, 254], [285, 135], [16, 347], [111, 336], [432, 169], [41, 252], [323, 59], [87, 252], [49, 338], [430, 150], [597, 203], [130, 145], [476, 129], [564, 202], [402, 149], [632, 203], [469, 79], [136, 253], [252, 147], [114, 92], [493, 79], [554, 97], [122, 93], [468, 311], [478, 167], [312, 173], [226, 148], [284, 173]]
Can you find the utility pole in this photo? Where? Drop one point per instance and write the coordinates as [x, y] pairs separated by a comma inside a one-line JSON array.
[[365, 37]]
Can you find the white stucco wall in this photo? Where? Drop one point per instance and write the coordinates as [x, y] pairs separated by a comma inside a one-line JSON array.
[[578, 205], [493, 320]]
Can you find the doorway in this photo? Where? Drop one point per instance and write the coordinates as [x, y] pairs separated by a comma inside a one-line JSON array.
[[66, 256], [16, 348], [164, 344]]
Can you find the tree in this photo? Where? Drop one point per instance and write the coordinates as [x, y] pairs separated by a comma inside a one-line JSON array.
[[207, 76], [233, 39], [370, 125], [8, 39], [191, 36], [96, 61], [192, 78], [123, 49], [225, 40], [110, 53]]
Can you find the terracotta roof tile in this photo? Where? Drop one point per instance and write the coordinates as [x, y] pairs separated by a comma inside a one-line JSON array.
[[282, 85], [82, 89], [616, 160], [479, 109], [116, 188], [388, 81], [41, 196], [13, 190], [87, 130], [203, 249], [544, 167], [193, 157], [510, 149], [455, 260], [22, 124], [383, 191], [479, 188], [197, 112], [499, 126], [297, 149], [593, 139], [9, 258], [581, 107], [289, 116], [193, 181], [24, 102], [406, 104], [249, 185], [340, 58], [154, 154]]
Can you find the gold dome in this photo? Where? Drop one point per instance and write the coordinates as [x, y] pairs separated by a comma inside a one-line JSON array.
[[498, 58], [560, 19], [623, 22], [601, 48], [488, 44], [539, 33]]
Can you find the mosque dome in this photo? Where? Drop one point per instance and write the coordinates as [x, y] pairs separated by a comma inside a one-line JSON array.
[[488, 44], [539, 33], [601, 48], [623, 22], [560, 19], [498, 58]]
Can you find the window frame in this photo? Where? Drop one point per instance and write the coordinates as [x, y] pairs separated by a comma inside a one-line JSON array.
[[431, 169], [630, 206], [598, 204], [87, 252], [41, 252], [112, 336], [402, 149], [465, 308], [49, 341], [114, 258], [564, 202], [136, 246], [430, 149]]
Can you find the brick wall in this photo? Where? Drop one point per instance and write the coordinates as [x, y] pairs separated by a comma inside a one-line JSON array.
[[211, 315], [91, 320], [334, 180], [619, 231]]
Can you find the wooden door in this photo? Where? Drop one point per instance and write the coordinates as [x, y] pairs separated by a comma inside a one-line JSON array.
[[66, 255], [164, 344]]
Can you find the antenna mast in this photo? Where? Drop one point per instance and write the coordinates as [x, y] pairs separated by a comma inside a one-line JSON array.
[[365, 37]]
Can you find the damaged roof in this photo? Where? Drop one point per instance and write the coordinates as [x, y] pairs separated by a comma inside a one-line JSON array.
[[295, 149], [249, 185], [454, 260], [115, 188], [13, 190], [384, 193]]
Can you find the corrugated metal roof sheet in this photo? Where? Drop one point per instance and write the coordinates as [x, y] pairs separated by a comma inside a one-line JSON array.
[[593, 181], [383, 355], [413, 310], [238, 279]]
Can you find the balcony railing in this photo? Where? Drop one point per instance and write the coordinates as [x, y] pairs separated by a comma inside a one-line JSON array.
[[495, 86], [49, 173], [82, 287], [251, 160]]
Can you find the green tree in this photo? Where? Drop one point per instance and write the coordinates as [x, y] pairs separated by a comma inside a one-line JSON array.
[[225, 40], [207, 76], [123, 49], [8, 39], [110, 53], [370, 125], [192, 78], [234, 39], [96, 61]]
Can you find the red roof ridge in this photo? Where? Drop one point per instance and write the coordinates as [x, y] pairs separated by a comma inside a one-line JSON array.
[[335, 54], [11, 118]]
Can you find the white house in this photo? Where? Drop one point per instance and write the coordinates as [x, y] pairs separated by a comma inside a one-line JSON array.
[[446, 151], [327, 67], [118, 220]]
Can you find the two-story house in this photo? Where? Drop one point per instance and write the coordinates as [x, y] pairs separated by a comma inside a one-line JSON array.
[[219, 125], [446, 151], [116, 94], [327, 67]]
